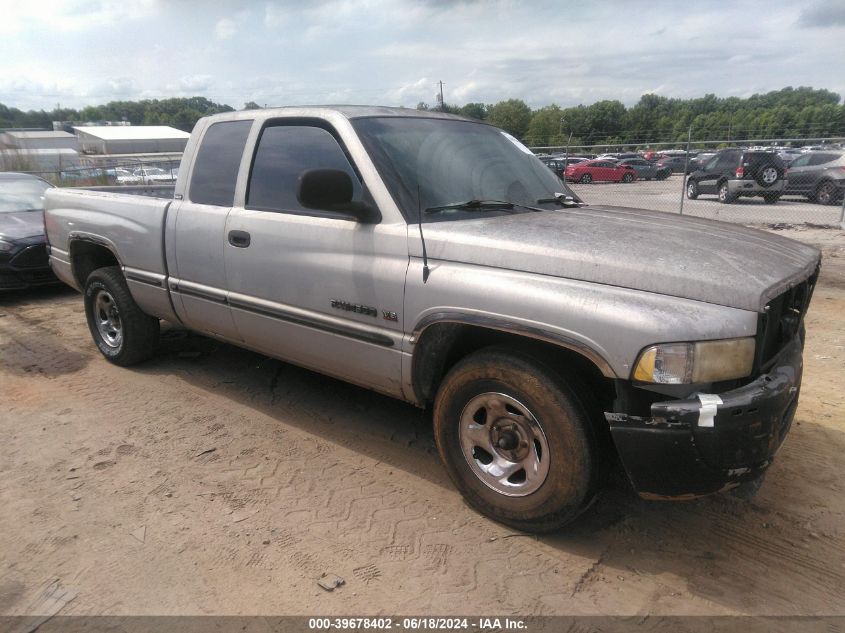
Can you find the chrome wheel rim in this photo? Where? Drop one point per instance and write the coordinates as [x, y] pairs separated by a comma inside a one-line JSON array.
[[504, 444], [723, 192], [107, 319], [825, 193], [770, 174], [690, 190]]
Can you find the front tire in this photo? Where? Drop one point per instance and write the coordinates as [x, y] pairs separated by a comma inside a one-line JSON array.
[[123, 333], [692, 189], [628, 178], [586, 178], [516, 440]]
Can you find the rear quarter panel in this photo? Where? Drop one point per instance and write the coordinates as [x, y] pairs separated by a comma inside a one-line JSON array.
[[131, 227]]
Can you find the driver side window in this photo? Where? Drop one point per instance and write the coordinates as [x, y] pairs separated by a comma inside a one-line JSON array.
[[284, 152]]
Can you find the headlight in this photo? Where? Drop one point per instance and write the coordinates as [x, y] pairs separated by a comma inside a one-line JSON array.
[[6, 247], [705, 361]]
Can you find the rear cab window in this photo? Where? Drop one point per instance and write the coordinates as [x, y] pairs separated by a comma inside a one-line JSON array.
[[215, 171]]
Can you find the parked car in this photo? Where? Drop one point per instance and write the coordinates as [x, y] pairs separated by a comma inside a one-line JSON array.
[[23, 245], [818, 175], [82, 176], [675, 163], [732, 173], [426, 257], [598, 169], [789, 154], [698, 161], [619, 155], [126, 177], [559, 165], [647, 170], [153, 175]]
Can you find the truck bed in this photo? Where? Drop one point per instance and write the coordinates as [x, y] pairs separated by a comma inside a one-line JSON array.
[[134, 222]]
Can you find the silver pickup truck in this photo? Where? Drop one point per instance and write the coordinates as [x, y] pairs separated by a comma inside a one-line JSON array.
[[436, 260]]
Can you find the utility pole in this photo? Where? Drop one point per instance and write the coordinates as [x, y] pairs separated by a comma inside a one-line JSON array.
[[441, 96]]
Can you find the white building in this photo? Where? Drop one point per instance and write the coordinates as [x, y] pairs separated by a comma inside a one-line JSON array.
[[38, 140], [130, 139]]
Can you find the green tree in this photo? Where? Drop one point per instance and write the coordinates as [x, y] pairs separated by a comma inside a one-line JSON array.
[[474, 111], [513, 116]]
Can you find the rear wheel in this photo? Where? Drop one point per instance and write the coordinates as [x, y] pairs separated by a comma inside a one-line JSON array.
[[771, 198], [725, 195], [123, 333], [515, 439], [826, 193], [586, 178], [628, 178]]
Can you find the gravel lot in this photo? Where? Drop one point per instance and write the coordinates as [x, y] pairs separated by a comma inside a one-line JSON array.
[[665, 195], [213, 480]]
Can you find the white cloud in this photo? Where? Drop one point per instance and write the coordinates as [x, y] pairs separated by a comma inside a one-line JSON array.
[[225, 28], [74, 15]]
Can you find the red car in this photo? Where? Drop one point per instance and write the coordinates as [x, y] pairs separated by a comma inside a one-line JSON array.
[[600, 170]]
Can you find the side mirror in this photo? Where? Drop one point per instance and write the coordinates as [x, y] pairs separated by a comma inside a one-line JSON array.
[[331, 190]]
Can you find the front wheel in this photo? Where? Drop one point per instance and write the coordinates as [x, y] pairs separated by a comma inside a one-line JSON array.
[[628, 178], [692, 189], [123, 333], [586, 178], [516, 441]]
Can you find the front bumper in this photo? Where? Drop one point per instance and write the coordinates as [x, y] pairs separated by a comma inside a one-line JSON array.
[[681, 451], [26, 267]]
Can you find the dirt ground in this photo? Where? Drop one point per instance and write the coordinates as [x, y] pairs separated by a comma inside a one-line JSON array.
[[212, 480]]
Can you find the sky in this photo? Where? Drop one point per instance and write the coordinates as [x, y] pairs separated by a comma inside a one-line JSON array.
[[394, 52]]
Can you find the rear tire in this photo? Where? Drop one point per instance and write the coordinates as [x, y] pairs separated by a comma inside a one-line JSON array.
[[725, 195], [826, 193], [123, 333], [516, 440], [771, 198], [628, 178]]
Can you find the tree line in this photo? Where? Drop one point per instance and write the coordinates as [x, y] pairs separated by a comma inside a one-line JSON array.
[[788, 113], [181, 113]]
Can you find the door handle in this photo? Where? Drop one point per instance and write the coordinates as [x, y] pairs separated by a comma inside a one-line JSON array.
[[239, 239]]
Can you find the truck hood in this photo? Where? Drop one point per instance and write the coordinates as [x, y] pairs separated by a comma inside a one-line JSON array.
[[18, 225], [667, 254]]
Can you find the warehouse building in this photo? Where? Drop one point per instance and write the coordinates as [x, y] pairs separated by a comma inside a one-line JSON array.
[[38, 140], [130, 139]]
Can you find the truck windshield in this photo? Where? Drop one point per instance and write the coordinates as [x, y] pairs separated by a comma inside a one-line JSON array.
[[450, 162]]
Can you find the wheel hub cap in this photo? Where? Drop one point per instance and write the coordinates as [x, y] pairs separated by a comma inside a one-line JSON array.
[[107, 319], [504, 444], [770, 174]]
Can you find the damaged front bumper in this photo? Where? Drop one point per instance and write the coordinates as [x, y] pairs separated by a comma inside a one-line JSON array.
[[710, 442]]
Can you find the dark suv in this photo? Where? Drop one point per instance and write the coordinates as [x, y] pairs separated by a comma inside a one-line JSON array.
[[732, 173]]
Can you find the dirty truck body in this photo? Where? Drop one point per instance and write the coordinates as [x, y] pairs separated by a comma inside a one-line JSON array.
[[433, 259]]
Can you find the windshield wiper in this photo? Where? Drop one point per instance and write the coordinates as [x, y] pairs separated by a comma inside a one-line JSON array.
[[563, 200], [473, 205]]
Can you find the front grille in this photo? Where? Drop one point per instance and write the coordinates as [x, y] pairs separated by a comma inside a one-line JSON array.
[[34, 256], [782, 321]]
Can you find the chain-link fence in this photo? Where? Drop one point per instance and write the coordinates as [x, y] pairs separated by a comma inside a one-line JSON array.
[[747, 181], [88, 171]]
